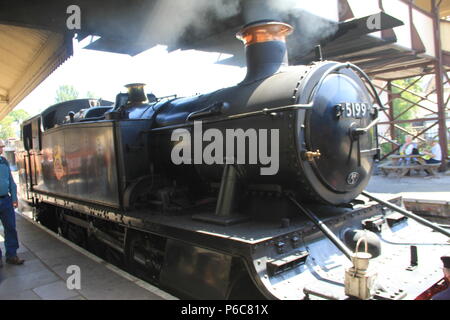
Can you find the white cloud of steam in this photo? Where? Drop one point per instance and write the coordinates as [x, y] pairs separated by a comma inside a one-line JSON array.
[[315, 20], [277, 9], [171, 18], [327, 9]]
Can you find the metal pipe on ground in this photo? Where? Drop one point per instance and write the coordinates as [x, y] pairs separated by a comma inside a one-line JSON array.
[[411, 215]]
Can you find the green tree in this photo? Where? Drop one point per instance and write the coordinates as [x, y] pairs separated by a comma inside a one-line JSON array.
[[19, 115], [404, 105], [404, 108], [8, 126], [65, 93]]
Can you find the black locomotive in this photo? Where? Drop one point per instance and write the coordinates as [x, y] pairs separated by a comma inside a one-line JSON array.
[[226, 194]]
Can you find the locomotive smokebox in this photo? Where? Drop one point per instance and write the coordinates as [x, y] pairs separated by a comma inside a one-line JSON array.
[[265, 48]]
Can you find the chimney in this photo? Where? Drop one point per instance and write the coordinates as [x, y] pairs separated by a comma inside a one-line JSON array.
[[265, 48], [136, 93]]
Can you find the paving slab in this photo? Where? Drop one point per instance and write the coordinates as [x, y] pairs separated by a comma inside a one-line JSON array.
[[414, 187], [45, 273], [55, 291]]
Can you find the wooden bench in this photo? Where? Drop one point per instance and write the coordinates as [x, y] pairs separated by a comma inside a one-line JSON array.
[[402, 170], [397, 160]]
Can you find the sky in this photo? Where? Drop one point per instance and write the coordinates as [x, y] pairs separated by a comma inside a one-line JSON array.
[[184, 73]]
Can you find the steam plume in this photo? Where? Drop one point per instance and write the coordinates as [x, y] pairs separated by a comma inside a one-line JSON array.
[[171, 19]]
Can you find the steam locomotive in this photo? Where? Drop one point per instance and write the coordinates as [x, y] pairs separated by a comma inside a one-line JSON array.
[[252, 191]]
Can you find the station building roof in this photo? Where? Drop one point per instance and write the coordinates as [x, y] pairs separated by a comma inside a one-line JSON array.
[[27, 57]]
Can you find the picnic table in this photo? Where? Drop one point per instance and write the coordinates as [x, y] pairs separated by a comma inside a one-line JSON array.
[[402, 165]]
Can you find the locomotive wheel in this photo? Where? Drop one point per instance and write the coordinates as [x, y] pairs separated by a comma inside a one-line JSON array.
[[114, 257], [137, 257], [96, 247], [77, 235], [47, 216], [62, 227]]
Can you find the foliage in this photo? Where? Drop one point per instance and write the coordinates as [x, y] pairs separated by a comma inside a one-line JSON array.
[[8, 125], [66, 92], [404, 106], [385, 147]]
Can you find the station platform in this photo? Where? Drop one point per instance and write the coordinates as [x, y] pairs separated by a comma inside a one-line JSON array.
[[51, 265]]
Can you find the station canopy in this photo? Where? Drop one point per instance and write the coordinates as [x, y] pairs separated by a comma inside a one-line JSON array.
[[27, 57], [36, 36]]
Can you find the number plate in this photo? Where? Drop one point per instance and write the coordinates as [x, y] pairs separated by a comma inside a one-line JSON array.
[[355, 110]]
